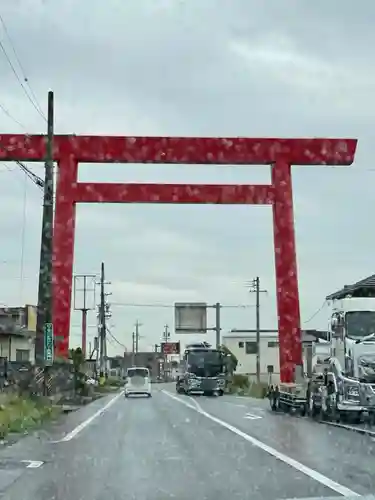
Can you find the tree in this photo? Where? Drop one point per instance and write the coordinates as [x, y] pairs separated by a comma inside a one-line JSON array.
[[231, 360], [77, 357]]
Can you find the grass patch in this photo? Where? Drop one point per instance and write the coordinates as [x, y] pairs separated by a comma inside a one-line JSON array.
[[105, 389], [241, 386], [18, 415], [114, 382]]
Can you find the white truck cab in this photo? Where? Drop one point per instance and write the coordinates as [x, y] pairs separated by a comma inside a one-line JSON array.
[[138, 381], [353, 336]]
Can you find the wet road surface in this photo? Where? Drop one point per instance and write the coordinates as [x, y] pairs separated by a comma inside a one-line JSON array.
[[343, 456], [160, 448]]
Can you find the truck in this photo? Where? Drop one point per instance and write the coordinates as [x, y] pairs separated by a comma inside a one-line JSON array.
[[202, 370], [340, 386]]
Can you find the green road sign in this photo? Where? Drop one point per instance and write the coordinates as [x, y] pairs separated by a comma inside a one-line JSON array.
[[48, 344]]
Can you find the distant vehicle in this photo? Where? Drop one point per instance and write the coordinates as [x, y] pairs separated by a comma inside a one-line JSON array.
[[202, 371], [138, 381]]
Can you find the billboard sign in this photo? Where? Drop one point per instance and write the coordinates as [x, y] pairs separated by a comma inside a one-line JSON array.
[[190, 317], [170, 347]]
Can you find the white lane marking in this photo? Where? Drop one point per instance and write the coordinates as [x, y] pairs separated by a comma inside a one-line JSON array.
[[234, 404], [72, 434], [251, 416], [313, 474], [33, 464]]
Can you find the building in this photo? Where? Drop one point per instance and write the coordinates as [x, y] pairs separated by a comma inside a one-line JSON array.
[[17, 333], [151, 360], [244, 347]]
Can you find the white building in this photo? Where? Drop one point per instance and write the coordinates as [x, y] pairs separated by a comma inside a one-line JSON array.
[[244, 347]]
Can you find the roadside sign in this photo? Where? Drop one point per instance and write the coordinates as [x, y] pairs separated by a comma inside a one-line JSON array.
[[48, 344], [191, 317], [170, 347]]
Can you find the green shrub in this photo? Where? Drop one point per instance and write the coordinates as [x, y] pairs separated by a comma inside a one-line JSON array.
[[241, 385], [20, 414], [239, 381]]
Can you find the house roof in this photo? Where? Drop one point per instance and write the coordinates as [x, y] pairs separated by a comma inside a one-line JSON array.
[[362, 288]]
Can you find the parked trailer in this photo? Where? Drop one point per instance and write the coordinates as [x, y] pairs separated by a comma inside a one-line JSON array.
[[326, 395]]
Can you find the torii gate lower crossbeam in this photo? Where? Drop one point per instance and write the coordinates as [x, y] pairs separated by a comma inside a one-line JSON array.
[[279, 153]]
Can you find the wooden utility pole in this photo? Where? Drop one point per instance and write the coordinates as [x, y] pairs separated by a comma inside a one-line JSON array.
[[44, 311]]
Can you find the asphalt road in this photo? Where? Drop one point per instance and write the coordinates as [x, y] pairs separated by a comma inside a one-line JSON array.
[[177, 447]]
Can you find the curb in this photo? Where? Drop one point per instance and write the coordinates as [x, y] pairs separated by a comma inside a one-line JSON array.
[[358, 430], [350, 428]]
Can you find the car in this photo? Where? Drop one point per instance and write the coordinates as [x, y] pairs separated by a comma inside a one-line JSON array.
[[138, 382]]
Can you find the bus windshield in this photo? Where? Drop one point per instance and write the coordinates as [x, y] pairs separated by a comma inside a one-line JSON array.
[[205, 363]]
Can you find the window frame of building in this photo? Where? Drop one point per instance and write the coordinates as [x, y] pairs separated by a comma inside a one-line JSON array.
[[254, 347], [272, 343], [20, 355]]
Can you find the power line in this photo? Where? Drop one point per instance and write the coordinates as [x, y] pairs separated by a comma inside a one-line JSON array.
[[171, 306], [316, 313], [23, 235], [25, 78], [9, 115], [115, 339], [20, 81]]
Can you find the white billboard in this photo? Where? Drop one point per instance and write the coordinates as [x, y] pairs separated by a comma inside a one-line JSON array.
[[190, 317]]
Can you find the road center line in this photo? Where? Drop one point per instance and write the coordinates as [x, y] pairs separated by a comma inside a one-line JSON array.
[[313, 474], [72, 434]]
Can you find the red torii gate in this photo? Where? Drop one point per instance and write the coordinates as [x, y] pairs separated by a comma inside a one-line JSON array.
[[280, 153]]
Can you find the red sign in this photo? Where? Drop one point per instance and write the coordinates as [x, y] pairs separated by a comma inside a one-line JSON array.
[[170, 347]]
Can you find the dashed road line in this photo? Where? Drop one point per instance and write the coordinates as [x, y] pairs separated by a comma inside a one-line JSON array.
[[32, 464], [251, 416]]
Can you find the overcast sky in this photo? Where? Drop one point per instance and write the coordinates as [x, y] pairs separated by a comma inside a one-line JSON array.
[[197, 68]]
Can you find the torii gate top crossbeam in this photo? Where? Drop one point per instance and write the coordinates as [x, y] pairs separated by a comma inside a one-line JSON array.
[[185, 150]]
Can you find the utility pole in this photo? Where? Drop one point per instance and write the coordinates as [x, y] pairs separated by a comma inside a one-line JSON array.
[[84, 306], [166, 338], [103, 326], [103, 314], [137, 325], [135, 341], [217, 324], [166, 333], [44, 311], [255, 288]]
